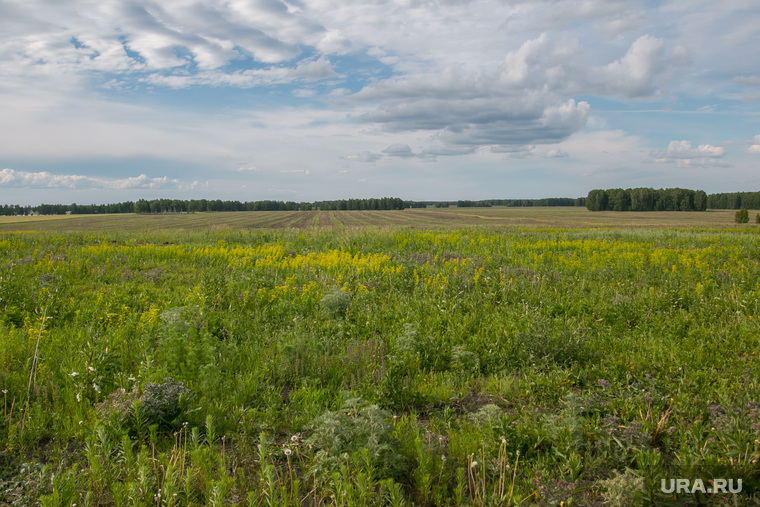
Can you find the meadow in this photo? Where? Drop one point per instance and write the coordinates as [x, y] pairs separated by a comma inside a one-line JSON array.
[[379, 358]]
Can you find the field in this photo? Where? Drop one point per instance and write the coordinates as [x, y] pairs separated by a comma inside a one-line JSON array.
[[570, 217], [421, 357]]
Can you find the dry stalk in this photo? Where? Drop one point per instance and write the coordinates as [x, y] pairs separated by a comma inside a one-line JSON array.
[[33, 371]]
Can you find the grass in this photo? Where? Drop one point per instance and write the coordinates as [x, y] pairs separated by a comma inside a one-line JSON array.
[[363, 364]]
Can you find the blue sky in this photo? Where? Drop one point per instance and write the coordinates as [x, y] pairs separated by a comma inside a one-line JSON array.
[[427, 100]]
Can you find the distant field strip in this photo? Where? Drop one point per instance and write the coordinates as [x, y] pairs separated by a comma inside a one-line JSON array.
[[558, 217]]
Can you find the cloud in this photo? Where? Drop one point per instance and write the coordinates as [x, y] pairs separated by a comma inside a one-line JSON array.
[[308, 70], [152, 38], [635, 74], [755, 145], [550, 125], [399, 150], [556, 153], [24, 179], [753, 81], [683, 154], [365, 156]]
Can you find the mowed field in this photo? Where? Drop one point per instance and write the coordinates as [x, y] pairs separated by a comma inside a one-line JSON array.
[[560, 217], [453, 357]]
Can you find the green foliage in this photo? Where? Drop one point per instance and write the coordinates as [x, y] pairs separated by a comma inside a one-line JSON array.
[[463, 360], [481, 367], [647, 199], [165, 404], [742, 216], [357, 433], [623, 489], [335, 303]]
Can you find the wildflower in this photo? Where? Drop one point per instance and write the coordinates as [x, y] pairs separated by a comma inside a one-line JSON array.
[[474, 464], [504, 440], [287, 452], [295, 438], [443, 457]]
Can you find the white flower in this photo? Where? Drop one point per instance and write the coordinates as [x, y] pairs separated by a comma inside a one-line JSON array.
[[287, 452], [474, 464]]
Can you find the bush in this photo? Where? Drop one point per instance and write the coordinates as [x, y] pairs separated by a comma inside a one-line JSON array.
[[335, 303], [742, 216], [163, 404], [464, 361], [358, 432]]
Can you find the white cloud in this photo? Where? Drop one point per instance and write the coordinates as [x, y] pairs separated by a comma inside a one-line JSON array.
[[755, 145], [309, 70], [365, 156], [556, 153], [25, 179], [682, 154], [683, 149], [635, 74]]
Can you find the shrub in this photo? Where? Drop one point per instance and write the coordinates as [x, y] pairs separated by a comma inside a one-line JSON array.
[[358, 432], [335, 303], [463, 360], [163, 404], [742, 216]]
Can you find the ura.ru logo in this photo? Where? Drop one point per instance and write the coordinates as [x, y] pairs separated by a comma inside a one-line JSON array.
[[698, 486]]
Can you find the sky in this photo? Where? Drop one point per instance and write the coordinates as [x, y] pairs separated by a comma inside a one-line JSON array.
[[304, 100]]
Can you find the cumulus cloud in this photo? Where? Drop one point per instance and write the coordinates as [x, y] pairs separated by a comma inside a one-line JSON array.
[[635, 74], [11, 178], [525, 99], [550, 125], [755, 145], [683, 154]]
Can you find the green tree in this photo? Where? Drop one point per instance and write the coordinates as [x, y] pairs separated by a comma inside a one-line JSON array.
[[742, 216]]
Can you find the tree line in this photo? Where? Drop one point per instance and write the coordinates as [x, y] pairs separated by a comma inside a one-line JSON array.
[[384, 203], [646, 199], [144, 206], [614, 199], [734, 200], [520, 203]]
